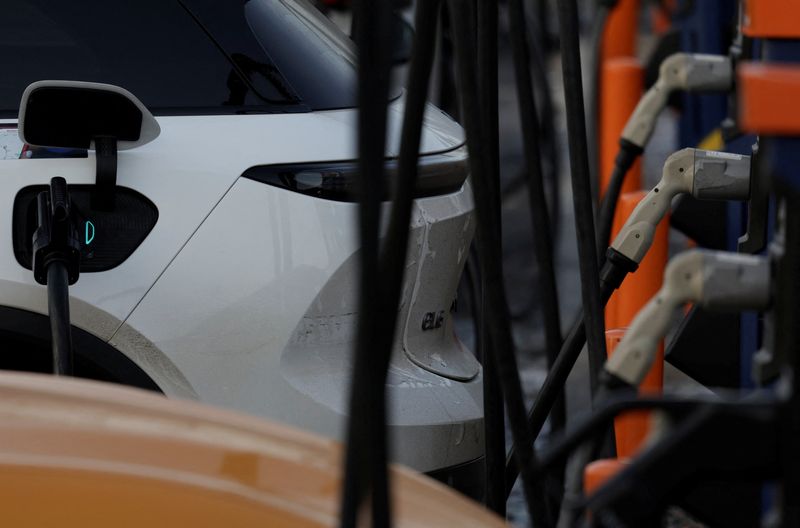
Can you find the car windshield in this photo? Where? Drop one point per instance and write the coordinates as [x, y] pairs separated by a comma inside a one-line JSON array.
[[181, 56]]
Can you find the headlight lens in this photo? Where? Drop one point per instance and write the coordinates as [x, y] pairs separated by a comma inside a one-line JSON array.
[[439, 174]]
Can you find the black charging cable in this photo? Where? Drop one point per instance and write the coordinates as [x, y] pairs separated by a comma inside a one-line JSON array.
[[569, 31], [548, 131], [543, 243], [615, 267], [614, 271], [461, 13], [493, 404], [56, 263], [365, 469], [627, 155]]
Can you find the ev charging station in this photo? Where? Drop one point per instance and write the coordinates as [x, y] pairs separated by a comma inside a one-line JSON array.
[[722, 303]]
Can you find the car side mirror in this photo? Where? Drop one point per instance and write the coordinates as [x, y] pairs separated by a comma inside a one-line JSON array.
[[83, 115]]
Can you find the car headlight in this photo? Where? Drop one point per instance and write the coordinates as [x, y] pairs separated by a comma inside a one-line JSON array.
[[438, 174]]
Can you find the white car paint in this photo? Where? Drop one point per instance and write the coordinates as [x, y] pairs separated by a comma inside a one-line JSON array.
[[185, 172], [243, 294]]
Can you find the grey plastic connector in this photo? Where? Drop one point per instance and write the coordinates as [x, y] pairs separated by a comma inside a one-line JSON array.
[[703, 173], [721, 176], [636, 236], [680, 71], [715, 280]]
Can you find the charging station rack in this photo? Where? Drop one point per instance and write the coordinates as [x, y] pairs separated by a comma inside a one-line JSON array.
[[773, 31], [767, 94], [768, 89], [715, 349], [782, 158], [713, 441]]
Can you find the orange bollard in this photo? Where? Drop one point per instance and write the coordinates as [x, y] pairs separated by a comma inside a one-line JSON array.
[[619, 37], [768, 98], [645, 282], [597, 473], [660, 20], [640, 286], [621, 85], [771, 19], [632, 428], [661, 16]]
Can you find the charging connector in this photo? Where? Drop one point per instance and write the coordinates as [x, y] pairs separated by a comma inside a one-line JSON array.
[[681, 71], [715, 280], [706, 175], [56, 263]]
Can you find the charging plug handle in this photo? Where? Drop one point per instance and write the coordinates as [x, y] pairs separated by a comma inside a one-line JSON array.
[[56, 238], [716, 280], [56, 263], [707, 175], [691, 72]]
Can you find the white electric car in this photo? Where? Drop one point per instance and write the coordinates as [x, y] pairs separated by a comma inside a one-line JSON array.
[[228, 273]]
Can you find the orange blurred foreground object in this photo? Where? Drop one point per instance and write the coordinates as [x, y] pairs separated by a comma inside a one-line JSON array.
[[771, 19], [619, 37], [768, 96], [621, 85], [599, 472], [76, 453]]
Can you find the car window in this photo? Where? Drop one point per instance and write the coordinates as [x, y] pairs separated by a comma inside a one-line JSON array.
[[192, 57], [316, 61], [308, 48]]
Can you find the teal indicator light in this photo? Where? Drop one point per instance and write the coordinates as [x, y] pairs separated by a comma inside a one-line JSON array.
[[89, 232]]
